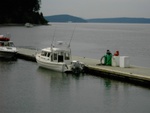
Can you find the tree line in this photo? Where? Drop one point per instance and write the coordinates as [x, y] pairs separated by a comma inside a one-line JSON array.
[[21, 11]]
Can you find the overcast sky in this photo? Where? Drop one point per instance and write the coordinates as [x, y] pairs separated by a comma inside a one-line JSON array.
[[97, 8]]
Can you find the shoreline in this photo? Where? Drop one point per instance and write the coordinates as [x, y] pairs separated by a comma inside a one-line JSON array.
[[16, 24]]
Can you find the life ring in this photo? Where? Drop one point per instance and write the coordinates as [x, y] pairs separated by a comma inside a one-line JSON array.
[[102, 62]]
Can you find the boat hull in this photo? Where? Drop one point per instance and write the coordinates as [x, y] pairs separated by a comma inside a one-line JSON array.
[[8, 55], [60, 67]]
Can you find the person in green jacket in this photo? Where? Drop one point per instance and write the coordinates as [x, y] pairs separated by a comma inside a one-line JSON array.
[[108, 57]]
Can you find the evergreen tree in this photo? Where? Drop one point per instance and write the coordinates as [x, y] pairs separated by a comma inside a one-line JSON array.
[[21, 11]]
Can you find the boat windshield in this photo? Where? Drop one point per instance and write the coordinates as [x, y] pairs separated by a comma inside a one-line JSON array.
[[67, 56], [44, 53], [10, 44]]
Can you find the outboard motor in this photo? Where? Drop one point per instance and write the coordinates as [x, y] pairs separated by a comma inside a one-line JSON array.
[[77, 67]]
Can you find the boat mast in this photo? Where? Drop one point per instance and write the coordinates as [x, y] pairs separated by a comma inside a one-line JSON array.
[[72, 36], [53, 38], [52, 44]]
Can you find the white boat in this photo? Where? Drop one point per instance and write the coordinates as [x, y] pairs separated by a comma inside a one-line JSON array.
[[7, 48], [28, 25], [57, 58]]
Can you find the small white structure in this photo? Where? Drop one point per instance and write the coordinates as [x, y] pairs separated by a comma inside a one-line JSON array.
[[28, 25], [116, 61], [124, 61]]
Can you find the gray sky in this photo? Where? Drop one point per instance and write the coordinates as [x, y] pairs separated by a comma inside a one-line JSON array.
[[97, 8]]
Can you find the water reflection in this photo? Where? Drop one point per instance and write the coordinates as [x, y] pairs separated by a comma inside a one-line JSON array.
[[107, 83], [27, 88], [56, 74], [58, 89], [67, 90], [6, 65]]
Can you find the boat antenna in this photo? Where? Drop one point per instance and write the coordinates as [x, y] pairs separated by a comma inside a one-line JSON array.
[[72, 36], [53, 37], [8, 35]]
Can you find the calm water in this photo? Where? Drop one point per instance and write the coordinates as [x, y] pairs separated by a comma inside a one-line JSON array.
[[26, 88]]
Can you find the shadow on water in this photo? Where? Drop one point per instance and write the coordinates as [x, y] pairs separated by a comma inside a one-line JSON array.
[[7, 62], [47, 72], [44, 71], [107, 81], [8, 59]]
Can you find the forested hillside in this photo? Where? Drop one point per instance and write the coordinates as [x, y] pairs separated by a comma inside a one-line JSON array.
[[21, 11]]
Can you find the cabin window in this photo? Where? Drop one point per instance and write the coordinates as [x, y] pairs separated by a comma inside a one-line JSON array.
[[11, 44], [61, 53], [43, 53], [6, 44], [1, 44], [60, 58], [55, 56], [52, 57], [48, 54], [67, 56]]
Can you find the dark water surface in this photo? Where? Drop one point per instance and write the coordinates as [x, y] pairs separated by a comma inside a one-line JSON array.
[[26, 88]]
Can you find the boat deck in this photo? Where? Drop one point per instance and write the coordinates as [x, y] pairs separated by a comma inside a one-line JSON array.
[[133, 72]]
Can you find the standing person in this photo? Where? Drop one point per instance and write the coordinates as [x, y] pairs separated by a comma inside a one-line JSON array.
[[108, 58], [108, 52]]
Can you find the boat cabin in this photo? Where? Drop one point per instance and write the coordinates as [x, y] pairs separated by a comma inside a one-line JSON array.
[[56, 55], [6, 43]]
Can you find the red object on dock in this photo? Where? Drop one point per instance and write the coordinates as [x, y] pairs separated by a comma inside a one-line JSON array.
[[116, 53]]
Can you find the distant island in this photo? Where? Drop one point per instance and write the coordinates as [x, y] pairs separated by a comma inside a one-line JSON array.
[[120, 20], [69, 18], [64, 18]]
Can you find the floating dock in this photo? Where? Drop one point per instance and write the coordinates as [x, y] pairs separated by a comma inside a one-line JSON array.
[[133, 73]]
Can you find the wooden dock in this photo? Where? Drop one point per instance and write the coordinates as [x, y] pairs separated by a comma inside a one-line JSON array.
[[133, 73]]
